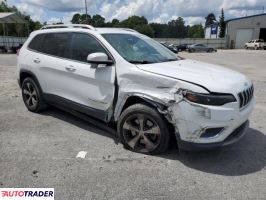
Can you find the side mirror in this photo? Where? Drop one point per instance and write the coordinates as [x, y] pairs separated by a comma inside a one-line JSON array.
[[98, 58]]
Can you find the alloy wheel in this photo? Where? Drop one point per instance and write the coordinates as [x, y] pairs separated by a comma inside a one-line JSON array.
[[30, 95], [141, 133]]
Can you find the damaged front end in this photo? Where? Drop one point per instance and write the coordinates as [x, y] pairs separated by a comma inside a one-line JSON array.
[[202, 119], [165, 94]]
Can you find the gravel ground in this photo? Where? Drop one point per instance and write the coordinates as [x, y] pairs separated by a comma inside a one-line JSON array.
[[39, 150]]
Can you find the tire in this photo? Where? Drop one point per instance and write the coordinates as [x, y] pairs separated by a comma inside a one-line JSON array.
[[192, 50], [134, 125], [32, 96], [246, 47], [256, 48], [210, 50]]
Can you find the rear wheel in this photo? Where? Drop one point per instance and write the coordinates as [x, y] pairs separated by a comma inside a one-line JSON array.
[[142, 129], [31, 95], [256, 48], [210, 50]]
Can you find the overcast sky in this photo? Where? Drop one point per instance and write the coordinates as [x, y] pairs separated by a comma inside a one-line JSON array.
[[193, 11]]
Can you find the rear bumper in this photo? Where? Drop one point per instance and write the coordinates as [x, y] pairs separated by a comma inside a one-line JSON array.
[[236, 135]]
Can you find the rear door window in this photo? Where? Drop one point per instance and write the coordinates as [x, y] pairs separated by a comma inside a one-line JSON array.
[[82, 45], [57, 44]]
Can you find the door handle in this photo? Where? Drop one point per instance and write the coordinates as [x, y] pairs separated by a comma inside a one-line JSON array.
[[70, 69], [37, 60]]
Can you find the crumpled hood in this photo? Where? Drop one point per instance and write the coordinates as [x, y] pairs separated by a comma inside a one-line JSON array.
[[213, 77]]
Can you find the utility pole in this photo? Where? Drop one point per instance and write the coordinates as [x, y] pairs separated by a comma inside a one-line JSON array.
[[86, 11]]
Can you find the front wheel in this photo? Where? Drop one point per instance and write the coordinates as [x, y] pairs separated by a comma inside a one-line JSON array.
[[142, 129]]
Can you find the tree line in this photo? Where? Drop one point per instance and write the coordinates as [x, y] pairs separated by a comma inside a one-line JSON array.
[[175, 28]]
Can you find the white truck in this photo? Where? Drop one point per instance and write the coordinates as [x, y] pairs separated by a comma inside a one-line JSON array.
[[255, 44]]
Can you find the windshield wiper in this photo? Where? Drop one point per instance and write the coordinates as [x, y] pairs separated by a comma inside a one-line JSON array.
[[139, 61], [174, 59]]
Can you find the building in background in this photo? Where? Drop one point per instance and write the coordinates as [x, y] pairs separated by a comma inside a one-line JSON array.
[[242, 30], [8, 42], [212, 31]]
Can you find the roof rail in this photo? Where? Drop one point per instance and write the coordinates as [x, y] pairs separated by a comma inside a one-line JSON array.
[[69, 26], [129, 29]]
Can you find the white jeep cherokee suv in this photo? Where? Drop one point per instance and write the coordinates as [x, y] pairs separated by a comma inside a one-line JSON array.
[[119, 75]]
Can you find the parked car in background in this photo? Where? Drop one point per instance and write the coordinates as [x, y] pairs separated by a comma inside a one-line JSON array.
[[255, 44], [200, 48], [171, 47], [182, 47]]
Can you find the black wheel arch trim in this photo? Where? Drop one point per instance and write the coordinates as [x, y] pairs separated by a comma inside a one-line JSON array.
[[155, 104], [31, 75]]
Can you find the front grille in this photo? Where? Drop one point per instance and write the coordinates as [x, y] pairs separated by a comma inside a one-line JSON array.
[[245, 96]]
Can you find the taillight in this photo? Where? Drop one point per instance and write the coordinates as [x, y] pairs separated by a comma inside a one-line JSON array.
[[18, 52]]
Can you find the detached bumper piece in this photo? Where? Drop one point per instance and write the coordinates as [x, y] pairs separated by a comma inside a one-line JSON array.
[[236, 135]]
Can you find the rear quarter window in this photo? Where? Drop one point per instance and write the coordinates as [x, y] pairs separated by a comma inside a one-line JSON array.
[[36, 42]]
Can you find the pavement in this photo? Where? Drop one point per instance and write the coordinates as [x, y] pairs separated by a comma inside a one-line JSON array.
[[40, 150]]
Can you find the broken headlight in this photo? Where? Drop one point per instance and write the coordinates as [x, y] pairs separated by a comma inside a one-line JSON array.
[[209, 99]]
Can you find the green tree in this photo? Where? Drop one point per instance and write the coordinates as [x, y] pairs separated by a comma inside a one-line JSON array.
[[196, 31], [222, 25], [210, 19], [160, 30], [133, 21], [115, 23], [145, 29], [76, 19], [98, 21], [85, 19], [177, 28]]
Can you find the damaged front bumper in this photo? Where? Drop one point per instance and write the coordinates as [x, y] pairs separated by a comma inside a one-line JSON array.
[[236, 135], [201, 127]]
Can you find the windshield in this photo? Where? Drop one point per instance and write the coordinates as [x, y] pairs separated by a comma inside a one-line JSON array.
[[139, 48]]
